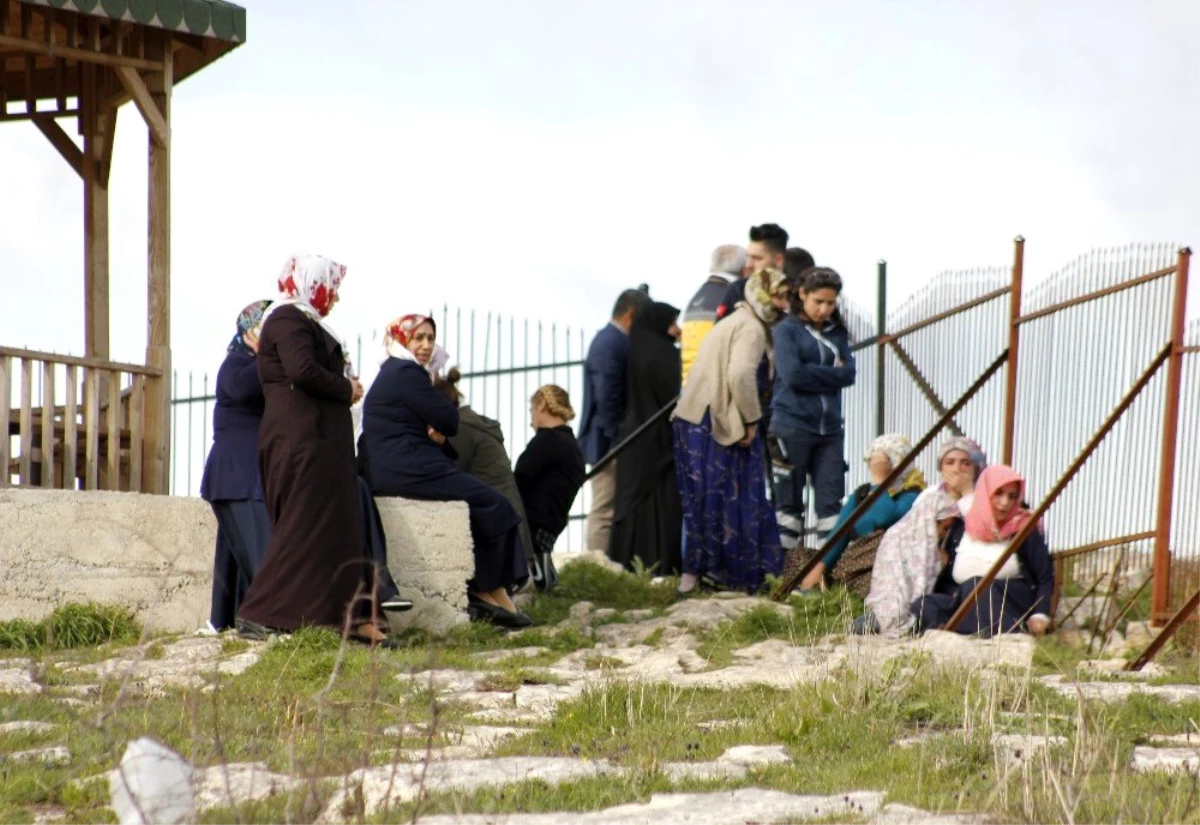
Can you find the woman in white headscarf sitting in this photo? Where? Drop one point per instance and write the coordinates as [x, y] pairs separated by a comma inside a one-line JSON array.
[[314, 571], [884, 454]]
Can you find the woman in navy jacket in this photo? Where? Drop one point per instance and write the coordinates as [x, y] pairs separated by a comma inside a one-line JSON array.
[[231, 482], [405, 424], [813, 364]]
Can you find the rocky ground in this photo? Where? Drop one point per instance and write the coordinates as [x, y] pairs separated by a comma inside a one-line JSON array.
[[551, 718]]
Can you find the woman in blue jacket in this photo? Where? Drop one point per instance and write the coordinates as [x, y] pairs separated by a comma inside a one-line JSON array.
[[231, 483], [406, 421], [813, 364]]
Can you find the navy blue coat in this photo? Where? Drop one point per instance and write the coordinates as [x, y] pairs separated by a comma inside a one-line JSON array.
[[808, 387], [397, 412], [603, 392], [231, 471]]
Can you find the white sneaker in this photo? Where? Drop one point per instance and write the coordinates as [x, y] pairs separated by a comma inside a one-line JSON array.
[[208, 630]]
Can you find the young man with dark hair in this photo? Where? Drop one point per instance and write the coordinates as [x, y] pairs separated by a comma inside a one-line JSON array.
[[767, 246], [603, 408]]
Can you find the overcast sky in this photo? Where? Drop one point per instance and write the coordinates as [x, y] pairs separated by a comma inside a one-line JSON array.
[[536, 157]]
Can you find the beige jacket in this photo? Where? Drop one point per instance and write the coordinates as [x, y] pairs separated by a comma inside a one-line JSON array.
[[723, 380]]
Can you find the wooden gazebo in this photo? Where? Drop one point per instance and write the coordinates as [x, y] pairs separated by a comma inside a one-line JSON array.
[[88, 422]]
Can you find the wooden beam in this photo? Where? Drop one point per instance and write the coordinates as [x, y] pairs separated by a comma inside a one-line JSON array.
[[146, 104], [156, 455], [61, 141], [95, 223], [95, 57]]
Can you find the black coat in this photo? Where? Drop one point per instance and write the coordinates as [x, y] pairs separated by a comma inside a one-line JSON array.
[[648, 513], [231, 470], [314, 562], [549, 474]]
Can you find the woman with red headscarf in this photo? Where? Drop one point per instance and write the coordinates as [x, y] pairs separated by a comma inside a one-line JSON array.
[[314, 571], [405, 424], [1018, 600]]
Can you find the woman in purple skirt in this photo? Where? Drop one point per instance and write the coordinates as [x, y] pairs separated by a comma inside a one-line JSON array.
[[720, 457]]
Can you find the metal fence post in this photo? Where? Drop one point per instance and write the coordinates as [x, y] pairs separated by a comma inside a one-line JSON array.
[[1160, 601], [880, 352], [1014, 317]]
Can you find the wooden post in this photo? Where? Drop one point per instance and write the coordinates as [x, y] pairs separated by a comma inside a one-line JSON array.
[[156, 455], [1014, 341], [94, 123]]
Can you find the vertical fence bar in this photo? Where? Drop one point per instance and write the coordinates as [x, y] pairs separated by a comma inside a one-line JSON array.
[[1014, 333], [1161, 597], [71, 429], [47, 445], [25, 464], [113, 456], [6, 418], [880, 349], [91, 413]]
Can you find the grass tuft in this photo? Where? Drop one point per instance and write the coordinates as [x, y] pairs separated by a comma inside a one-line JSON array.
[[72, 626]]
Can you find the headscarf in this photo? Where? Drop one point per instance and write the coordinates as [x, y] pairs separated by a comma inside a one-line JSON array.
[[247, 319], [760, 288], [966, 445], [896, 448], [396, 337], [655, 318], [981, 520], [309, 283]]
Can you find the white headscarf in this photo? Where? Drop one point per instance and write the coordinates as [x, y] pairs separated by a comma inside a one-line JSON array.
[[309, 283]]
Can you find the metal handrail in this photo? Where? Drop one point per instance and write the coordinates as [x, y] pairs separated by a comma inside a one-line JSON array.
[[632, 437]]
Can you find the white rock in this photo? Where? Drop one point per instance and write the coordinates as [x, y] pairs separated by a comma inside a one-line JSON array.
[[1120, 691], [445, 681], [1169, 760], [226, 786], [153, 784], [1116, 667], [638, 615], [596, 557], [26, 727], [18, 681], [187, 663], [493, 657], [751, 755], [580, 610], [702, 771], [1018, 749], [1185, 740], [50, 757], [603, 614]]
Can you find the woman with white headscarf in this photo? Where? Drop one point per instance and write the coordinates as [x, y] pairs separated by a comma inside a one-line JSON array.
[[720, 460], [883, 455], [314, 571]]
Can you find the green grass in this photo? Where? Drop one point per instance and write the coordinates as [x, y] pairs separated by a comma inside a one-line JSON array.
[[71, 626]]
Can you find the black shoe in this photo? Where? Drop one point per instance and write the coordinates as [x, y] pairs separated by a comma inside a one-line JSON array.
[[545, 577], [481, 611], [396, 605], [254, 631]]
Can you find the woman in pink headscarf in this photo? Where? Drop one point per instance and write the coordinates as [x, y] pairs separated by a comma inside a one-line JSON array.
[[1019, 598], [314, 571]]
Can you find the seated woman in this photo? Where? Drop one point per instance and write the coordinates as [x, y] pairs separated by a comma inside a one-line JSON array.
[[884, 453], [405, 424], [479, 450], [1019, 597], [549, 474], [907, 562]]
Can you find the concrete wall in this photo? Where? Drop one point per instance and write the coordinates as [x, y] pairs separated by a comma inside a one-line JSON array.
[[154, 554]]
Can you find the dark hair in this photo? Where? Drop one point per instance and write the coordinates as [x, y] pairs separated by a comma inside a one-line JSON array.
[[630, 299], [814, 278], [771, 235], [448, 386], [795, 261]]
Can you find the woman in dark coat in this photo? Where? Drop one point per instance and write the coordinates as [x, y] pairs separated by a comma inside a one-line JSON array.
[[405, 424], [314, 572], [549, 474], [479, 449], [648, 519], [230, 483]]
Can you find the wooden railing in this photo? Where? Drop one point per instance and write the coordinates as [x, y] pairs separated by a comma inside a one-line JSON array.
[[92, 440]]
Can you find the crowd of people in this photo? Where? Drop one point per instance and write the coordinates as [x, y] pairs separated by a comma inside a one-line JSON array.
[[751, 373]]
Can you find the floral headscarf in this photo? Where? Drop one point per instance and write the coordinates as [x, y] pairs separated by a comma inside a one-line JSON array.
[[396, 338], [981, 520], [247, 319], [761, 287], [309, 283], [966, 445], [896, 448]]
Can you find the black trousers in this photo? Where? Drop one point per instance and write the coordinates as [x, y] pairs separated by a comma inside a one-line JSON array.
[[243, 530]]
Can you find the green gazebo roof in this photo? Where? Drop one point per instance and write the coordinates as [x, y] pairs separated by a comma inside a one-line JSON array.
[[204, 18]]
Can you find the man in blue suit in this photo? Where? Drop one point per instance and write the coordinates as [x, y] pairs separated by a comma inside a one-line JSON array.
[[603, 408]]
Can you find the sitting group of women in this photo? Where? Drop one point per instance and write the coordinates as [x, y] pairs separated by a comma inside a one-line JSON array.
[[300, 541], [918, 553]]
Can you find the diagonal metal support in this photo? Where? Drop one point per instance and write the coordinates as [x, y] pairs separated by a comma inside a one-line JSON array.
[[1059, 486], [1175, 622], [923, 384]]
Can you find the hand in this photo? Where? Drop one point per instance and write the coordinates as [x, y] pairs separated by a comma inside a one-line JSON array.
[[751, 431], [357, 395], [437, 437], [1037, 626], [815, 578]]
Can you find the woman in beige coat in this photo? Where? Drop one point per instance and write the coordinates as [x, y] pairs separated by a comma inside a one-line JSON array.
[[720, 457]]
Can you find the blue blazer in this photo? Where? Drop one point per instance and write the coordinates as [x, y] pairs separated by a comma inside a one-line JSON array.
[[603, 392], [808, 387], [231, 471], [397, 412]]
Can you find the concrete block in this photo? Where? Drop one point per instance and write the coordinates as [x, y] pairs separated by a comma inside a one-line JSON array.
[[430, 557]]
